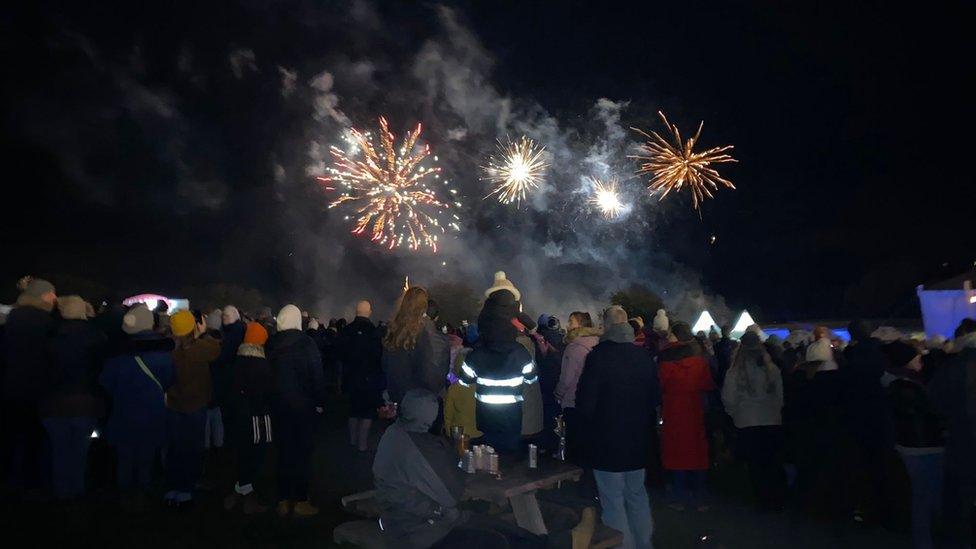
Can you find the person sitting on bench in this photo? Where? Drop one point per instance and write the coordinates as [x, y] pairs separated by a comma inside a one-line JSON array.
[[419, 487]]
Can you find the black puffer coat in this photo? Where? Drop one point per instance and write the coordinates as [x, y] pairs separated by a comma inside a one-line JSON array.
[[232, 335], [864, 364], [297, 368], [76, 356], [360, 351], [917, 423], [254, 387], [26, 346], [616, 402]]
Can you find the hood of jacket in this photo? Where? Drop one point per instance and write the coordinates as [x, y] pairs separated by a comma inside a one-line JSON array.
[[146, 342], [285, 338], [26, 300], [618, 333], [967, 341], [251, 349], [582, 332], [418, 411], [680, 350]]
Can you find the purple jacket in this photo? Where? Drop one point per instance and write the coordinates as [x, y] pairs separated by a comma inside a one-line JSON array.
[[573, 359]]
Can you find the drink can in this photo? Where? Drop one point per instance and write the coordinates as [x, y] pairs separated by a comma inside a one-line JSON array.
[[533, 456], [462, 443], [493, 463]]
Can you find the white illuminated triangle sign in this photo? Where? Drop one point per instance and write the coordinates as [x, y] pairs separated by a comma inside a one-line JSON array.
[[704, 323], [744, 321]]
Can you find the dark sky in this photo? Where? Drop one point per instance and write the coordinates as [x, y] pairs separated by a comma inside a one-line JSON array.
[[142, 151]]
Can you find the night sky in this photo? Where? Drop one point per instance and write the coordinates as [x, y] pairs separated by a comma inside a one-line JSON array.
[[159, 146]]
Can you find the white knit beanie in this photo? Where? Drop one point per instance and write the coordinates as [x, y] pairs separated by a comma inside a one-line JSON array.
[[501, 282], [289, 318], [660, 323], [232, 314]]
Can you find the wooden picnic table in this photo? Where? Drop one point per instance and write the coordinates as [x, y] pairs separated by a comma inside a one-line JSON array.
[[518, 485]]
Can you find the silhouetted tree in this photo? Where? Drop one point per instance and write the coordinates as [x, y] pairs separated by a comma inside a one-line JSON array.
[[638, 300]]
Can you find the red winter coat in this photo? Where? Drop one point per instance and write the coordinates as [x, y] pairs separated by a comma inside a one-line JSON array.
[[685, 378]]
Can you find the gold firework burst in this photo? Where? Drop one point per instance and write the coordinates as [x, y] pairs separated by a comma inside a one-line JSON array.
[[516, 168], [675, 165], [606, 199], [390, 187]]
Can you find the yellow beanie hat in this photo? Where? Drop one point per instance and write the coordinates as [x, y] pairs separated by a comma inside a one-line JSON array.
[[182, 323]]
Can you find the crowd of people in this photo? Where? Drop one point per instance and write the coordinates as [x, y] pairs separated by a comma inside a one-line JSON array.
[[817, 424]]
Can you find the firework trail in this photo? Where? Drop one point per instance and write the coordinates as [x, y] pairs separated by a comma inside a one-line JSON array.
[[516, 168], [389, 190], [675, 165]]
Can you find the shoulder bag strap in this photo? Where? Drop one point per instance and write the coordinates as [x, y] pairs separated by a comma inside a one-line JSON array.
[[148, 372]]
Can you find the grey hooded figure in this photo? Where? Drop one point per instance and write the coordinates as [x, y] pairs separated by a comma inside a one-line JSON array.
[[417, 479]]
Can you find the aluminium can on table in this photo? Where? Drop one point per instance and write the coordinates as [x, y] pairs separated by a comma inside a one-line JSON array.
[[533, 456]]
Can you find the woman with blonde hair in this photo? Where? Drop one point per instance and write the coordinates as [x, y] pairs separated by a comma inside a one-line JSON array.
[[415, 354], [753, 396]]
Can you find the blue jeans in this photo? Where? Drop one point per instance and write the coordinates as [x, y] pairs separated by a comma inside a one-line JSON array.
[[689, 487], [70, 438], [925, 473], [626, 506], [184, 456], [214, 430]]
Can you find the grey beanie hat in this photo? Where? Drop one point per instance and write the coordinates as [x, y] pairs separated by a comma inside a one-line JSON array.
[[215, 320], [35, 287], [138, 319]]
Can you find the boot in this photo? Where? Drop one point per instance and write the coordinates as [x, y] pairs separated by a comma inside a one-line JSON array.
[[583, 532], [284, 508], [252, 506], [305, 509]]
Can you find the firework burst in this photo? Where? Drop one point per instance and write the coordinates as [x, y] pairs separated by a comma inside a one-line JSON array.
[[516, 168], [389, 188], [606, 199], [676, 165]]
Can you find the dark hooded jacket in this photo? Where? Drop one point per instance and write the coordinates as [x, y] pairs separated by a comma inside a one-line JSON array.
[[616, 401], [138, 408], [232, 335], [361, 351], [26, 334], [499, 368], [254, 387], [76, 356], [297, 366], [425, 366], [953, 393], [724, 353], [417, 479], [870, 415], [917, 423]]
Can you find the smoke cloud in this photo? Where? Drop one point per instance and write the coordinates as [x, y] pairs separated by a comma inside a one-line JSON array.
[[561, 254], [244, 146]]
